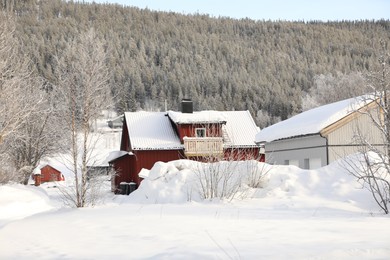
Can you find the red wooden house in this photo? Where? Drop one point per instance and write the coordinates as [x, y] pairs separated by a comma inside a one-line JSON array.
[[149, 137], [48, 173]]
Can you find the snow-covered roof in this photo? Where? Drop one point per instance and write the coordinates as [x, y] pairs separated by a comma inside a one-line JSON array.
[[37, 171], [151, 131], [55, 163], [312, 121], [41, 166], [201, 117], [240, 128]]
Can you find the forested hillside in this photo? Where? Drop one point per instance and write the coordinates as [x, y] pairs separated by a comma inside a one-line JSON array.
[[220, 63]]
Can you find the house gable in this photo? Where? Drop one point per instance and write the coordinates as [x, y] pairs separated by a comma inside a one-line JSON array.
[[125, 139], [348, 118], [312, 121], [335, 126]]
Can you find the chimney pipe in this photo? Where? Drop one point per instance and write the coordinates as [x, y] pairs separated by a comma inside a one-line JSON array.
[[187, 106]]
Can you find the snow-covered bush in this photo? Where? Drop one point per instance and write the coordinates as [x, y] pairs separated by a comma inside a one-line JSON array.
[[186, 180]]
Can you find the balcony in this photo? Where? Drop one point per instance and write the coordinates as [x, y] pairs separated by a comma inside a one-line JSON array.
[[203, 146]]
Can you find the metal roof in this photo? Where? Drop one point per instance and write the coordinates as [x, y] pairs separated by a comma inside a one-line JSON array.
[[154, 130], [241, 129], [313, 121]]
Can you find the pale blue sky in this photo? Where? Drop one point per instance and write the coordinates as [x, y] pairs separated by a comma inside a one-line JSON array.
[[271, 9]]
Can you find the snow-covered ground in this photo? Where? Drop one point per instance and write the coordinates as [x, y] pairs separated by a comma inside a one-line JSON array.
[[297, 214]]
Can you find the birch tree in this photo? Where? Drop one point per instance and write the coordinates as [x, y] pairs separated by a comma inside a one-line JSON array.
[[16, 103], [37, 137], [83, 88], [20, 96], [373, 169]]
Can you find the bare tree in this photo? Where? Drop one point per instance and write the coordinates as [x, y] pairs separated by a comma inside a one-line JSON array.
[[36, 138], [331, 88], [82, 77], [20, 96], [373, 168], [16, 102]]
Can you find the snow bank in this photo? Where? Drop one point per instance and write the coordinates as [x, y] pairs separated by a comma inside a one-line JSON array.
[[167, 183], [294, 214], [331, 186], [18, 201]]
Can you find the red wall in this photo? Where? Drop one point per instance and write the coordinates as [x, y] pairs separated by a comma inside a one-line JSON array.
[[125, 171], [125, 140], [243, 154], [127, 167], [146, 159], [212, 130]]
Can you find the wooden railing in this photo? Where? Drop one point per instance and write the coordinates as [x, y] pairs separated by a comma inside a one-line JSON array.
[[203, 146]]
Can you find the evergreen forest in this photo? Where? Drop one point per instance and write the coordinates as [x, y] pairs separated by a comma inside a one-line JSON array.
[[157, 58]]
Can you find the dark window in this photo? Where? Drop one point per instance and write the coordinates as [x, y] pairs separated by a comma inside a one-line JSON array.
[[200, 132], [306, 164]]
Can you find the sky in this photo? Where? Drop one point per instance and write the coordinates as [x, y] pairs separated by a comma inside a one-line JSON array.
[[293, 10]]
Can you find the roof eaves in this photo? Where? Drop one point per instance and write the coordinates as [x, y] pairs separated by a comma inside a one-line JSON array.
[[291, 137], [157, 148], [241, 146], [346, 119]]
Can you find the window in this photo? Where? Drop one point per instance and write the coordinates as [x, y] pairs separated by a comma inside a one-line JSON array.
[[200, 132], [312, 163], [291, 162], [306, 164]]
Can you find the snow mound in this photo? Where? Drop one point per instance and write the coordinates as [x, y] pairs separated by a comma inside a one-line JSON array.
[[166, 183], [329, 187], [19, 201]]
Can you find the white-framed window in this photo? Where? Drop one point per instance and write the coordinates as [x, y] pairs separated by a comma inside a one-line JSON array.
[[200, 132]]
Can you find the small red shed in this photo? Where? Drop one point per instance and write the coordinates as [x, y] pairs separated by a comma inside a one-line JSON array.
[[48, 173]]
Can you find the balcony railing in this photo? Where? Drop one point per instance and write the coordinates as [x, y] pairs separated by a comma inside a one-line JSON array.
[[203, 146]]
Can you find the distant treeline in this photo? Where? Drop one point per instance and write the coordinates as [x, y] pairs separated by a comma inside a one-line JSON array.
[[221, 63]]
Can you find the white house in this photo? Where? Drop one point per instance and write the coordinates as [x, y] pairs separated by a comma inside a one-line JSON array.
[[321, 135]]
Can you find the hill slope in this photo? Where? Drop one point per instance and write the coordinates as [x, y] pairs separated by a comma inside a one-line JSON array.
[[220, 63]]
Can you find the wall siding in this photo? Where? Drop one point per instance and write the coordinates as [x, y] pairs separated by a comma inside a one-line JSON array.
[[212, 130], [48, 174], [297, 149], [238, 154], [342, 143], [147, 158], [125, 171]]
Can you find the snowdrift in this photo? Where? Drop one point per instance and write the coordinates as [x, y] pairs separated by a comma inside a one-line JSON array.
[[18, 201], [293, 214], [330, 186]]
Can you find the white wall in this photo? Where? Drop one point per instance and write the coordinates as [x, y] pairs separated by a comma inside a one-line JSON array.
[[306, 152]]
